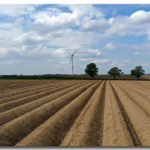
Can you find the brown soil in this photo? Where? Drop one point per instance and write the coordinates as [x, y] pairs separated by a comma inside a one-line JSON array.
[[74, 113]]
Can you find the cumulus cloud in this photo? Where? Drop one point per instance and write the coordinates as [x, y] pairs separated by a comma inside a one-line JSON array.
[[29, 32], [3, 52], [44, 22], [135, 24], [127, 61], [140, 16], [118, 64], [54, 26], [143, 47], [136, 53], [121, 65], [101, 60], [109, 46], [85, 10], [16, 10], [64, 62], [60, 52], [148, 32], [100, 25], [94, 51], [84, 59], [113, 64], [53, 19], [146, 64]]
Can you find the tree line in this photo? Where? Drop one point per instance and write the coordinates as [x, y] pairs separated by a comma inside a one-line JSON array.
[[92, 70]]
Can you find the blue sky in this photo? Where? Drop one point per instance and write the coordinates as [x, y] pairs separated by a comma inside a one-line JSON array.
[[39, 39]]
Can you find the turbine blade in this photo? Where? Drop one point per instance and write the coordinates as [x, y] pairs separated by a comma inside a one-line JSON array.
[[75, 51]]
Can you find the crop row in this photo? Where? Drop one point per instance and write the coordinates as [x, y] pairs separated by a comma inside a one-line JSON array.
[[75, 113]]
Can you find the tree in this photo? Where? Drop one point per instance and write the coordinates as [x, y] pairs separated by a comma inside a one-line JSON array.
[[115, 72], [137, 71], [91, 69]]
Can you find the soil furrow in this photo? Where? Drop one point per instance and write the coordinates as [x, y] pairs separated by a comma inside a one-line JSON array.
[[140, 84], [142, 102], [20, 110], [145, 93], [16, 103], [139, 119], [87, 129], [17, 87], [27, 92], [53, 131], [12, 92], [130, 127], [74, 113], [15, 130], [23, 92], [115, 132], [28, 86]]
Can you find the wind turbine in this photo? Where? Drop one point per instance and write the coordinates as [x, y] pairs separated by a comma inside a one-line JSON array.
[[71, 60]]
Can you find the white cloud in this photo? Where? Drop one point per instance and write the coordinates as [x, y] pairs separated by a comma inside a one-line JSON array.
[[136, 24], [64, 62], [15, 10], [11, 62], [4, 25], [127, 61], [56, 28], [113, 64], [109, 46], [121, 65], [84, 59], [94, 51], [80, 15], [71, 38], [100, 25], [3, 52], [30, 33], [29, 38], [148, 32], [60, 52], [53, 19], [136, 53], [85, 10], [140, 16], [44, 22], [143, 47], [146, 64], [101, 60]]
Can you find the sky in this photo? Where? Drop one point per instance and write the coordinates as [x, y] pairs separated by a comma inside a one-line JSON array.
[[39, 39]]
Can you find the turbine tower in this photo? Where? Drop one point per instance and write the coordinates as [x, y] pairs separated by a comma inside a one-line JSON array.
[[71, 60]]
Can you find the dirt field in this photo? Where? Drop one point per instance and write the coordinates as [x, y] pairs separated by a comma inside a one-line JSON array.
[[74, 113]]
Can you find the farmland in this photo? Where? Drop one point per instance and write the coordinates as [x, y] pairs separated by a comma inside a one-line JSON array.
[[74, 113]]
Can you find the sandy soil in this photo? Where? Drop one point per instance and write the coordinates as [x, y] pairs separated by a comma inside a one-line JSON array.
[[74, 113]]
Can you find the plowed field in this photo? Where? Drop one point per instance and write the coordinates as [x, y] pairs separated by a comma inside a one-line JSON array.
[[74, 113]]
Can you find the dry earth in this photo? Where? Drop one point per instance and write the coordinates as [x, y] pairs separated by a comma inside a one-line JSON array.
[[74, 113]]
